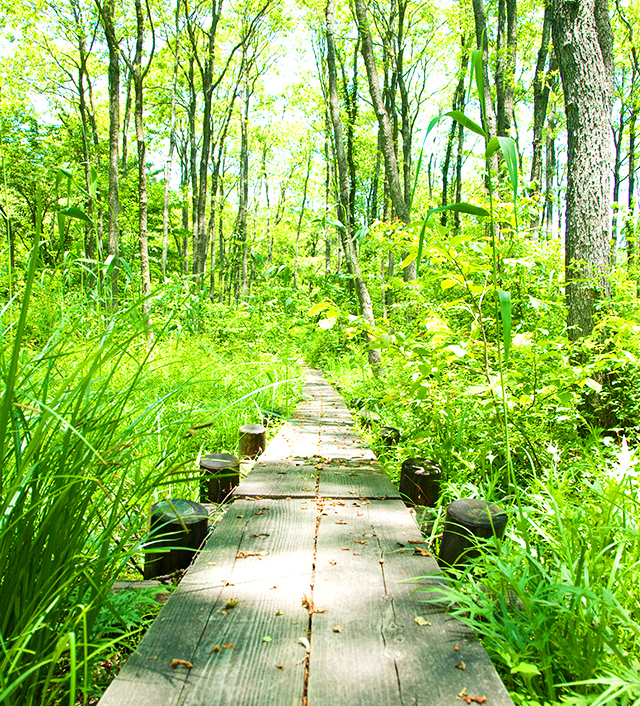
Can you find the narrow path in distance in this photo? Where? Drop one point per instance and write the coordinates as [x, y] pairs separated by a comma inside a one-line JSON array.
[[305, 593]]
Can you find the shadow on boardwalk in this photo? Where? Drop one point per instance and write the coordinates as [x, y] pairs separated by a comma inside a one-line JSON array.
[[305, 592]]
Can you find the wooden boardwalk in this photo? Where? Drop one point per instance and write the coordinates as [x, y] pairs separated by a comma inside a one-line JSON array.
[[305, 592]]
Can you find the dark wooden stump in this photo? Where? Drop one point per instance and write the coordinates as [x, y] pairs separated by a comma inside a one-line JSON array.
[[180, 535], [221, 475], [420, 481], [466, 521], [253, 440], [390, 436]]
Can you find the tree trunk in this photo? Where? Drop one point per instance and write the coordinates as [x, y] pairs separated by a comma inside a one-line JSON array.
[[388, 150], [301, 216], [505, 65], [583, 43], [540, 103], [138, 74], [172, 146], [113, 248], [366, 307]]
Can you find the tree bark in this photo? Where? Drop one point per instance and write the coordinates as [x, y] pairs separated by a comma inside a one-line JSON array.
[[505, 65], [583, 43], [113, 248]]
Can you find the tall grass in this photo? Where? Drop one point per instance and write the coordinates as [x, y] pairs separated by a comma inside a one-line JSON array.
[[92, 429]]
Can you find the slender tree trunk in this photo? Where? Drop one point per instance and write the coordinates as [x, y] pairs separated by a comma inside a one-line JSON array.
[[125, 125], [583, 42], [366, 307], [138, 74], [541, 89], [113, 250], [505, 65], [301, 216], [172, 147]]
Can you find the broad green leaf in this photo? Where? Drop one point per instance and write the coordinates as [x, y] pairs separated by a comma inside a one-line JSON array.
[[508, 147], [75, 212], [461, 207], [409, 259], [461, 118], [320, 306], [593, 384], [525, 668], [505, 312], [448, 283], [476, 70]]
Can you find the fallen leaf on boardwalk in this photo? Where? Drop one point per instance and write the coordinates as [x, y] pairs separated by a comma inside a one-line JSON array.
[[341, 522], [307, 603], [337, 629], [267, 638], [332, 562], [239, 516], [305, 488], [353, 492], [231, 603], [381, 561], [360, 541], [244, 555], [278, 612], [421, 552], [416, 541], [211, 563], [304, 642], [260, 513], [469, 699], [345, 549], [456, 648], [462, 665], [272, 587], [357, 554], [359, 514], [421, 621], [229, 646], [216, 648], [279, 666], [181, 662], [287, 498]]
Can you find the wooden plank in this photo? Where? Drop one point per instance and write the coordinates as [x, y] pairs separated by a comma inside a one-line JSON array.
[[191, 623], [355, 478], [382, 655], [292, 477]]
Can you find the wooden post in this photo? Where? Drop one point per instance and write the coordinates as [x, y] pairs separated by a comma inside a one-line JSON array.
[[179, 527], [221, 475], [420, 481], [390, 436], [253, 440], [466, 521]]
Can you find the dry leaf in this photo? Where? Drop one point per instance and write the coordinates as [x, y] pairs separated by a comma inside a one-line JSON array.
[[337, 628], [239, 516], [381, 561], [278, 612], [462, 665], [231, 603], [341, 522], [420, 620], [307, 603], [211, 563], [279, 666], [469, 699], [272, 587], [345, 549], [228, 646], [456, 647], [215, 648], [421, 552], [181, 662], [332, 562]]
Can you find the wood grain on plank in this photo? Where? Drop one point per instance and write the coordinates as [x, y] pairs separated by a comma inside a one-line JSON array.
[[369, 592], [277, 541]]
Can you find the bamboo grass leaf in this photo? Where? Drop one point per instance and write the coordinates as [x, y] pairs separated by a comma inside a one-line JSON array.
[[505, 313]]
